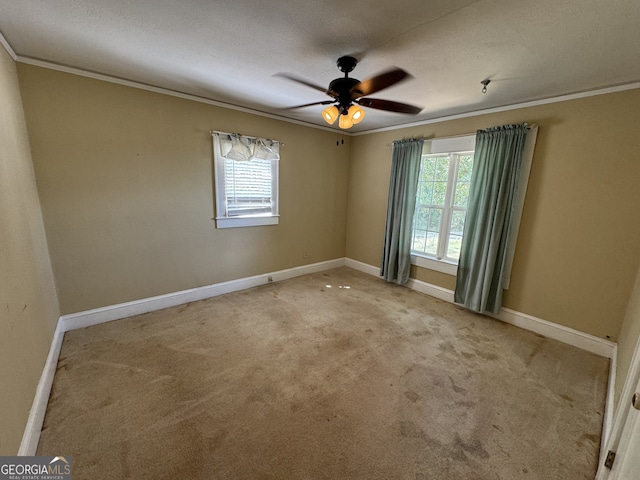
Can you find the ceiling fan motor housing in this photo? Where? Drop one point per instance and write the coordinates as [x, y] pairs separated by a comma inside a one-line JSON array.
[[340, 89]]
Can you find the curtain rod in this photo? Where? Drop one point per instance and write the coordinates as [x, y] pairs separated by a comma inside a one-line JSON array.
[[440, 138], [529, 127], [218, 132]]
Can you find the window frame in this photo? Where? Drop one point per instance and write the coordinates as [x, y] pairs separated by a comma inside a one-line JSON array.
[[223, 220], [453, 146]]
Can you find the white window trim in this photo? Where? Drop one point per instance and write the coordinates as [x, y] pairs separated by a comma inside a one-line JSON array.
[[231, 222], [223, 221], [442, 265], [463, 143]]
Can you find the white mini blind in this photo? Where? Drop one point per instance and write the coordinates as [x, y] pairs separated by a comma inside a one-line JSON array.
[[248, 187]]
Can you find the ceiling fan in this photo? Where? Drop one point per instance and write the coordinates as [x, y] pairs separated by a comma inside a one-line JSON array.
[[348, 94]]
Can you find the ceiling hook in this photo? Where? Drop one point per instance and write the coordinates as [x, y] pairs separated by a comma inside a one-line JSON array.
[[484, 83]]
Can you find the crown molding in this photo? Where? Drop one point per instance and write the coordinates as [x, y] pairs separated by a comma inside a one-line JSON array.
[[8, 48], [505, 108], [163, 91]]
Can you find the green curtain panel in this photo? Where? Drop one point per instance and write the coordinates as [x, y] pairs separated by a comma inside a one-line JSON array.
[[494, 181], [405, 168]]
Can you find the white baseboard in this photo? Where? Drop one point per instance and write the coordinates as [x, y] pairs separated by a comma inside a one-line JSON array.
[[432, 290], [73, 321], [151, 304], [31, 435], [567, 335], [609, 406], [362, 267]]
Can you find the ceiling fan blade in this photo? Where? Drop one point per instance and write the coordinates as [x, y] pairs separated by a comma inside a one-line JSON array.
[[377, 83], [324, 102], [302, 81], [389, 105]]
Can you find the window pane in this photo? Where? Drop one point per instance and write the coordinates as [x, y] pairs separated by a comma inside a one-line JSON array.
[[428, 168], [431, 246], [457, 221], [425, 193], [465, 167], [462, 194], [442, 169], [435, 218], [421, 218], [433, 206], [419, 241], [453, 249], [248, 187], [439, 193]]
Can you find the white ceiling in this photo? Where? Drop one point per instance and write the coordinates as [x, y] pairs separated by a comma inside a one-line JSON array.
[[229, 50]]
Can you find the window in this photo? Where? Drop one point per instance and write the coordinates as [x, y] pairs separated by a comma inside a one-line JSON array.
[[246, 180], [441, 202]]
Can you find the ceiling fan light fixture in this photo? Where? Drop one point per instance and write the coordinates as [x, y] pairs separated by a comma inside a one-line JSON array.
[[330, 114], [349, 95], [345, 122], [356, 114]]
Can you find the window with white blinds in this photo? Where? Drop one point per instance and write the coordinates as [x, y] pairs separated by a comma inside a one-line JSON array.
[[246, 180], [249, 189]]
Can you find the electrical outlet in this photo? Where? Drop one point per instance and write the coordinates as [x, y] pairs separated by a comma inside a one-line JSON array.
[[306, 254]]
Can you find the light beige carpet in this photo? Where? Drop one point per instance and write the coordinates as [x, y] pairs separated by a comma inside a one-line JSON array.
[[309, 379]]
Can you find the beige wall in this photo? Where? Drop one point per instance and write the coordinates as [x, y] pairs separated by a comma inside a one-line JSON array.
[[579, 245], [28, 304], [125, 181], [629, 336]]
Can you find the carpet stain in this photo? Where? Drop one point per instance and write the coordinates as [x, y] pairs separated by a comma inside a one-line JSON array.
[[594, 439], [447, 347], [566, 397], [411, 395], [409, 429], [456, 388], [536, 350], [215, 441], [438, 382], [421, 333], [486, 355], [473, 447]]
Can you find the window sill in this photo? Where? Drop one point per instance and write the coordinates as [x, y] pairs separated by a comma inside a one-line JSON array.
[[432, 264], [232, 222]]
